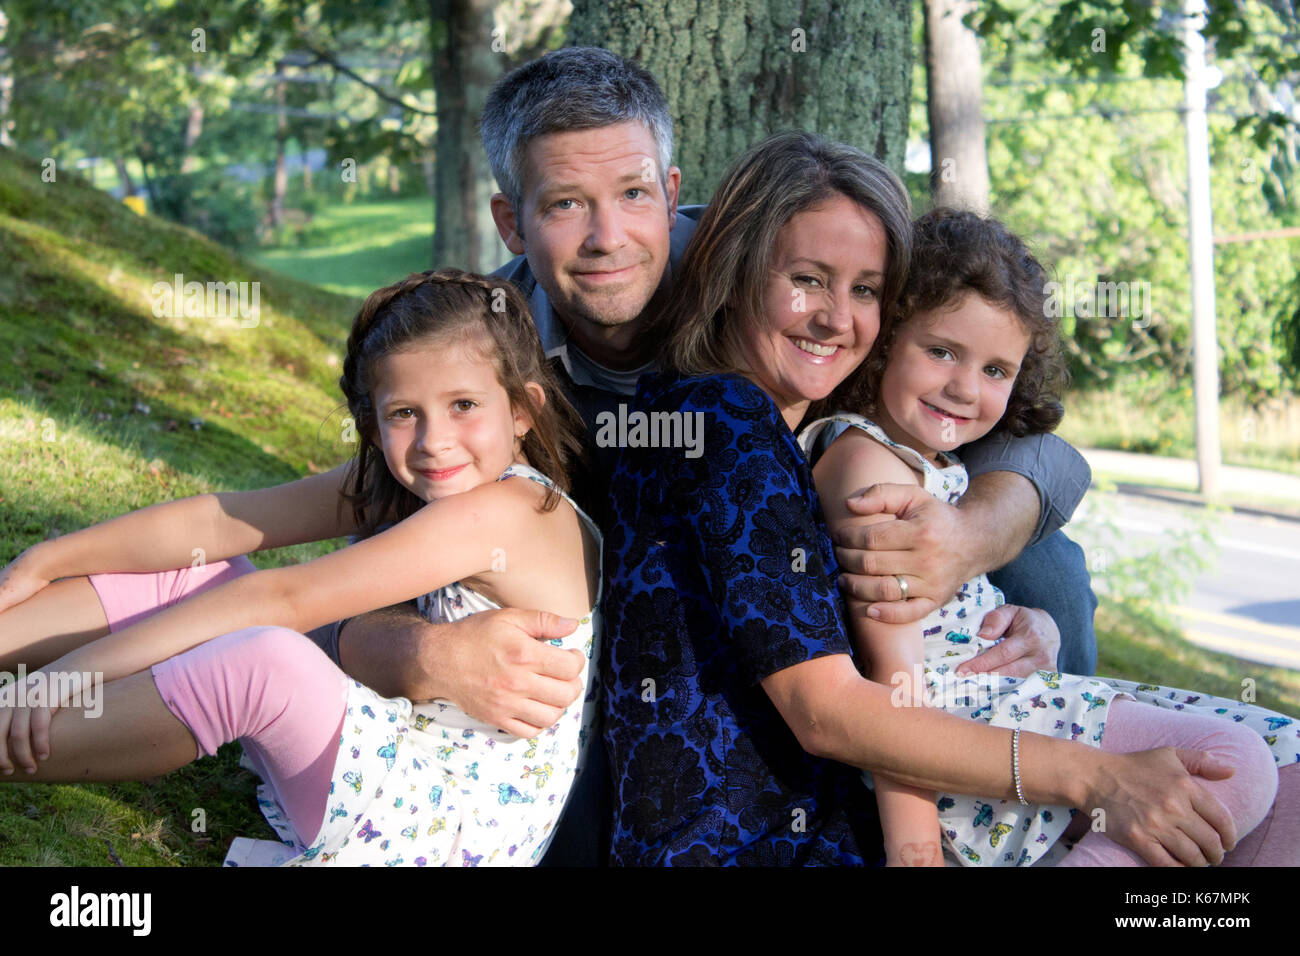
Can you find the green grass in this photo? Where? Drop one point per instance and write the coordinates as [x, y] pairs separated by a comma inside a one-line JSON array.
[[355, 249], [1160, 423], [1139, 646], [96, 401]]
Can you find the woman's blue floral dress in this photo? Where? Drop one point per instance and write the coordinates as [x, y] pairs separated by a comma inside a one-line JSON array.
[[719, 573]]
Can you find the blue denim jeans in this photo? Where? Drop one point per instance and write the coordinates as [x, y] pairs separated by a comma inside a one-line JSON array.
[[1053, 575]]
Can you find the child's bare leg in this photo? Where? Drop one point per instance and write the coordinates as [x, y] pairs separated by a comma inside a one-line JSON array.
[[135, 738], [53, 621]]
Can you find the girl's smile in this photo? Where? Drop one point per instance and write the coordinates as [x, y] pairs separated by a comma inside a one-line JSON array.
[[445, 423], [950, 374]]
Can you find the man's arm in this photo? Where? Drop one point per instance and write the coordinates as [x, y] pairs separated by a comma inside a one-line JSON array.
[[1020, 489], [934, 546], [1059, 475], [495, 665]]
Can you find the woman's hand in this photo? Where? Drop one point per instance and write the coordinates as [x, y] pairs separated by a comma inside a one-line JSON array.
[[19, 580], [1149, 802]]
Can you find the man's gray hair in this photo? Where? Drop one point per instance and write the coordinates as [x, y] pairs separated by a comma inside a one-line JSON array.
[[571, 89]]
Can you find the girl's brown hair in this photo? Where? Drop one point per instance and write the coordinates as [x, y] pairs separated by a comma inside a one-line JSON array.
[[727, 262], [955, 253], [429, 307]]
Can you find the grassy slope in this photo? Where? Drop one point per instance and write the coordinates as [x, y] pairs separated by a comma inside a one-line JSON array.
[[82, 350], [358, 248]]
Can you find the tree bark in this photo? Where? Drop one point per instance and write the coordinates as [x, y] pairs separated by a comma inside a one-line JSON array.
[[463, 72], [736, 70], [959, 163]]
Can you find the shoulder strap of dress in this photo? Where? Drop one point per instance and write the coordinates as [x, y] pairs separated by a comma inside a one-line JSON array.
[[527, 471], [914, 458]]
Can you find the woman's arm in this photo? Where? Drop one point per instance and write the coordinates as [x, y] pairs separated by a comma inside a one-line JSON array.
[[440, 544], [1150, 801], [206, 527], [893, 653]]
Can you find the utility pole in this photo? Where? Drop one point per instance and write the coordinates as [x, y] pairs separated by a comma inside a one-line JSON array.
[[1200, 237]]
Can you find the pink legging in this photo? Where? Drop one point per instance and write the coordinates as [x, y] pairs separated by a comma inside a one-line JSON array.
[[268, 687], [1249, 794]]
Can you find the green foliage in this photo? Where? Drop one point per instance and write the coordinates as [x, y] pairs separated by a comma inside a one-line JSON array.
[[1094, 170], [1150, 581]]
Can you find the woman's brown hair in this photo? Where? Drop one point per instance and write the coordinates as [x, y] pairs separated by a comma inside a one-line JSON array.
[[956, 253], [428, 308], [727, 262]]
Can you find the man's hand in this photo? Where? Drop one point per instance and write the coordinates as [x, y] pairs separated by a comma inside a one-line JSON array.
[[500, 670], [495, 665], [1030, 643], [923, 546]]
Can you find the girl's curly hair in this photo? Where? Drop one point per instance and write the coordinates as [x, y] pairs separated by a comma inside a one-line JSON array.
[[955, 253]]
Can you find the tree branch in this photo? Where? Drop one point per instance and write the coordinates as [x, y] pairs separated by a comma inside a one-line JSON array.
[[324, 56]]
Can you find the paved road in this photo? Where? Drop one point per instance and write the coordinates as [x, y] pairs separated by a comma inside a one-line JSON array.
[[1247, 604]]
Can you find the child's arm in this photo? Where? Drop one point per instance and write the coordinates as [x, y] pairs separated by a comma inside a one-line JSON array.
[[892, 652], [209, 527], [440, 544]]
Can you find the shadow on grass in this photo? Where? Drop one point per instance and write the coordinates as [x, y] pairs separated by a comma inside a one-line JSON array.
[[151, 823]]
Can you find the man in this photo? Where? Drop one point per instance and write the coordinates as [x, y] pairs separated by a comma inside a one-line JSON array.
[[580, 142]]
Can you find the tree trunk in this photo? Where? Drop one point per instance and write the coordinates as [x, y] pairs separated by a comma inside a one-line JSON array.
[[124, 176], [737, 70], [281, 182], [306, 159], [959, 163], [463, 72], [193, 129], [6, 85]]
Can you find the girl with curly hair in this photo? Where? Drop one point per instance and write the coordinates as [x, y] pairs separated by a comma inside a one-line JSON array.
[[451, 397], [972, 350]]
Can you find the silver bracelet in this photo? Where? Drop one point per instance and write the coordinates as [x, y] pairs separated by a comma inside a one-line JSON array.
[[1015, 765]]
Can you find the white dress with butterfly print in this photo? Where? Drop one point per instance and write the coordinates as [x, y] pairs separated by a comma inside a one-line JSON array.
[[1001, 832], [428, 785]]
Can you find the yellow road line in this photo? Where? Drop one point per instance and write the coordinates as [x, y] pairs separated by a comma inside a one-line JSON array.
[[1240, 623]]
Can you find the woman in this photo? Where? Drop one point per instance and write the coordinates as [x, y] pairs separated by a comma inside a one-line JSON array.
[[734, 712]]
